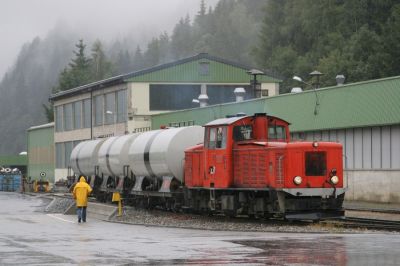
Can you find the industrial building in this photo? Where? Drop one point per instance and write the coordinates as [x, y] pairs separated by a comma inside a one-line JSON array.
[[124, 104], [41, 152], [364, 117]]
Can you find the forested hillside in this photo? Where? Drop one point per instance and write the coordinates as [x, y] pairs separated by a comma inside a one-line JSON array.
[[357, 38]]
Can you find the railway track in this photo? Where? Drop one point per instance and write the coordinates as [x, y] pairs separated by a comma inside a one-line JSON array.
[[365, 223], [346, 222]]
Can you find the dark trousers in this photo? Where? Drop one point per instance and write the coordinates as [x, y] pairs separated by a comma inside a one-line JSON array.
[[81, 211]]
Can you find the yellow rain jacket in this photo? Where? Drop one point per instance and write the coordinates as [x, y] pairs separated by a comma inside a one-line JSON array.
[[81, 192]]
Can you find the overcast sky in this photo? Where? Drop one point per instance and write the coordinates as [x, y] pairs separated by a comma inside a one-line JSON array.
[[22, 20]]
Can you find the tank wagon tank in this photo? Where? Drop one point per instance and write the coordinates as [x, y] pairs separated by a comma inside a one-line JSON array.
[[84, 157], [113, 163], [240, 165], [140, 164]]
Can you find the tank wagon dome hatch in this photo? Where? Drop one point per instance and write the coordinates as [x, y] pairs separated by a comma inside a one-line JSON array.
[[161, 152], [113, 154], [84, 157]]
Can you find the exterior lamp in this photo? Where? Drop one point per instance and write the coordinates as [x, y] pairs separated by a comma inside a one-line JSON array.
[[256, 86], [315, 86], [108, 112]]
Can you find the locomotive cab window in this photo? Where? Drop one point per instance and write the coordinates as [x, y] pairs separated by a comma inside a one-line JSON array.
[[276, 132], [315, 163], [244, 132], [216, 138]]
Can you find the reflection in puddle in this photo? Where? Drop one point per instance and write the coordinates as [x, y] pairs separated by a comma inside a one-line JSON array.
[[315, 251]]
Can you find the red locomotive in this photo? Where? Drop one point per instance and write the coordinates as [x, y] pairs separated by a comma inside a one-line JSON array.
[[248, 165]]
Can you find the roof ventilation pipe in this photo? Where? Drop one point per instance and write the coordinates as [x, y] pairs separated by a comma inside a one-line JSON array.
[[340, 80], [296, 90], [239, 92], [203, 99]]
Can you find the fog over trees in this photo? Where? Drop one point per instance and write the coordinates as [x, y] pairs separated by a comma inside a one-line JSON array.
[[359, 39]]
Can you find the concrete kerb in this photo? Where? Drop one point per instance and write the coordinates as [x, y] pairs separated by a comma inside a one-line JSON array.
[[95, 210]]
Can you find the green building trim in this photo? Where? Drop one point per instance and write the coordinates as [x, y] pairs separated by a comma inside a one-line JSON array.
[[188, 70], [368, 103], [15, 160]]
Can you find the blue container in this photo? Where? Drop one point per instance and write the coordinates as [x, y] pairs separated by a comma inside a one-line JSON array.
[[10, 182]]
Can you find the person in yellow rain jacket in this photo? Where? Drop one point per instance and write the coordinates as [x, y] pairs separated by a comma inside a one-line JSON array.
[[81, 192]]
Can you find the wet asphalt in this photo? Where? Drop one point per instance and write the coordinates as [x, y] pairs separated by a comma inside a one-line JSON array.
[[28, 236]]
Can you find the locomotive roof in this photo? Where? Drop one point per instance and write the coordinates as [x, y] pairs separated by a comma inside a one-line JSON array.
[[231, 120], [225, 121]]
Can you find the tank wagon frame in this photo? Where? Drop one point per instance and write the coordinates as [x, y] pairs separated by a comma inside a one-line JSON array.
[[241, 165]]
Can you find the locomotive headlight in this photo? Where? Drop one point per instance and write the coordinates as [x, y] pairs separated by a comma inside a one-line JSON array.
[[297, 180], [335, 179]]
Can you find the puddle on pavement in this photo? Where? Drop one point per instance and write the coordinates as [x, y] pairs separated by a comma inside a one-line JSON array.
[[326, 251]]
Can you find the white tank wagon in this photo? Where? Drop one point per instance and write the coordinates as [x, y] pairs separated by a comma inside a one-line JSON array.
[[114, 163], [84, 157], [113, 155], [162, 152]]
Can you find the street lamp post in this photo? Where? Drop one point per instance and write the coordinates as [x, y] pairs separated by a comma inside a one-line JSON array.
[[254, 83], [114, 120], [314, 85]]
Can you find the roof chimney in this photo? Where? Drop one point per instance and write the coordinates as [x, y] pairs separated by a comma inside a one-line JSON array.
[[239, 92], [296, 90], [340, 80], [203, 99]]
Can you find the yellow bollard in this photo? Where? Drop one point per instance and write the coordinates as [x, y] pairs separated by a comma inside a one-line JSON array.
[[117, 197]]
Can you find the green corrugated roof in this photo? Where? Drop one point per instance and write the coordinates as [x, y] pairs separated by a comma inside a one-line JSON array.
[[187, 70], [369, 103], [6, 160]]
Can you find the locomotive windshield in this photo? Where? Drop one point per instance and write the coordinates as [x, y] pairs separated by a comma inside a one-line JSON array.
[[244, 132], [216, 138], [276, 132]]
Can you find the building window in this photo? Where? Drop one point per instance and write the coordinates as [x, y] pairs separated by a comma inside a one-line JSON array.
[[60, 162], [224, 93], [98, 110], [172, 97], [109, 108], [68, 149], [68, 117], [59, 116], [87, 120], [121, 106], [204, 68], [77, 115]]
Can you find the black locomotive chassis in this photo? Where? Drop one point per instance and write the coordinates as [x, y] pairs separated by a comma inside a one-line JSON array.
[[232, 202], [263, 203]]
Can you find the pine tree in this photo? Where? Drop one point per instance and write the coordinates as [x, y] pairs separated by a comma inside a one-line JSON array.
[[101, 68], [78, 71]]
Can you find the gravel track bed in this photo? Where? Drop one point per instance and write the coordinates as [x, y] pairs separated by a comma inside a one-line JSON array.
[[191, 221], [203, 222], [59, 205]]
